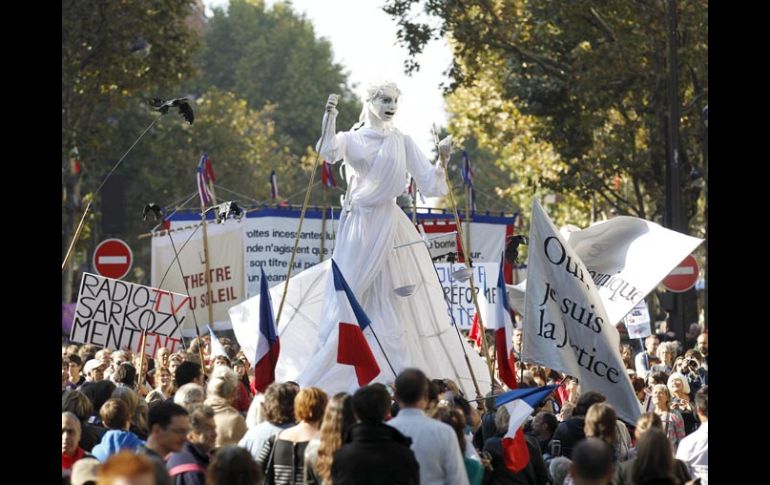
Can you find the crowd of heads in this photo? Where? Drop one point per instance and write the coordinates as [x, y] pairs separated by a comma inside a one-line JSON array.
[[174, 399]]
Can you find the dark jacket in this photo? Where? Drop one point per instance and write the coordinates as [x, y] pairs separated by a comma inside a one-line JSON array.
[[624, 475], [570, 432], [375, 454], [188, 467], [161, 475], [534, 474]]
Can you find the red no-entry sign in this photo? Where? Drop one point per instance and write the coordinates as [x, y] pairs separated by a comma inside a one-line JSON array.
[[113, 258], [683, 277]]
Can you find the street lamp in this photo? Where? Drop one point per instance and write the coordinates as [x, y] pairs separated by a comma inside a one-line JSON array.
[[673, 219]]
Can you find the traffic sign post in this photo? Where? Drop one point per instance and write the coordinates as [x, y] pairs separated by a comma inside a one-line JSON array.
[[683, 277], [112, 259]]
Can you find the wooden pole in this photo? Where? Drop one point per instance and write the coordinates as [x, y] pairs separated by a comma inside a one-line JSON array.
[[323, 224], [453, 205]]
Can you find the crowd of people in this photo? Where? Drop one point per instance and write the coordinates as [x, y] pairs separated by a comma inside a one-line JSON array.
[[175, 419]]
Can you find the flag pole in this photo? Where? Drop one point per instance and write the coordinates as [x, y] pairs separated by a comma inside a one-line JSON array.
[[195, 319], [413, 186], [209, 293], [454, 323], [323, 223], [382, 349], [467, 264], [79, 229], [301, 220]]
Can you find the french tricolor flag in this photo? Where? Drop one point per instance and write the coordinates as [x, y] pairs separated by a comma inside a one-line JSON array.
[[520, 403], [268, 345], [504, 332], [353, 349], [327, 177]]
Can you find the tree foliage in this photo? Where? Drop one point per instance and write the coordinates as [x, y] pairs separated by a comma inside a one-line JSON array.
[[572, 96], [272, 56]]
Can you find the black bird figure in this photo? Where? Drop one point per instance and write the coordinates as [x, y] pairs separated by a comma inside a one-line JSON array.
[[153, 208], [181, 103], [512, 248]]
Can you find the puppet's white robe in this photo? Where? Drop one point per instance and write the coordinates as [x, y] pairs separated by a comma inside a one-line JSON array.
[[414, 331]]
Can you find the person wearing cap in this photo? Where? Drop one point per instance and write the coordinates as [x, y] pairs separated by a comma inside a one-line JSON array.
[[94, 370]]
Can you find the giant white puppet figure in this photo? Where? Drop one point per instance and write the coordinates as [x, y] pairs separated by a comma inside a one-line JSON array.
[[413, 329]]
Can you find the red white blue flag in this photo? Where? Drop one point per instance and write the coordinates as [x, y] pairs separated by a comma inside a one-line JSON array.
[[353, 349], [520, 403], [268, 343], [327, 177], [504, 332], [206, 179], [466, 171]]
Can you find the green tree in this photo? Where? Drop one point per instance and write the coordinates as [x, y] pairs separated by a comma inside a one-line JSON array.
[[584, 82], [273, 56], [105, 61], [241, 143]]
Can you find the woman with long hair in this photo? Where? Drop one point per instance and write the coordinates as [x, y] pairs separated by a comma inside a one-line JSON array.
[[673, 425], [602, 422], [337, 420], [654, 460], [456, 419]]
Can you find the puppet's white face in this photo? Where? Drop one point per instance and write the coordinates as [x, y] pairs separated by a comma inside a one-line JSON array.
[[385, 105]]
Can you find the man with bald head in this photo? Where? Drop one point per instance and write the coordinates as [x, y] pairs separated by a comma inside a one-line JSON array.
[[70, 437]]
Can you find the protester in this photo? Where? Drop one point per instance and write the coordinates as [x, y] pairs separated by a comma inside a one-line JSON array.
[[220, 392], [278, 411]]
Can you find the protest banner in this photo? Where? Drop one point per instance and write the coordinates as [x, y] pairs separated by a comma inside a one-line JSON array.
[[112, 313], [566, 327], [226, 269]]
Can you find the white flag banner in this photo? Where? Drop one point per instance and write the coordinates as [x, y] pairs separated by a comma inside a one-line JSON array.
[[638, 321], [566, 327], [626, 258]]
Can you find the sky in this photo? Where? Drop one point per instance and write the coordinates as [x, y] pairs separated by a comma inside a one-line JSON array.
[[363, 39]]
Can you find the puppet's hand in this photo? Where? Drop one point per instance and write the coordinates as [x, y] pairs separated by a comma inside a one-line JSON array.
[[331, 104]]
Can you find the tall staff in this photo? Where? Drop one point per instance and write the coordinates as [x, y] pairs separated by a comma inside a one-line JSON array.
[[302, 218], [452, 203]]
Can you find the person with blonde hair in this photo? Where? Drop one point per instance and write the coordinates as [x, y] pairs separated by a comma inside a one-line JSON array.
[[338, 418], [220, 391], [126, 468], [666, 352], [283, 455]]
